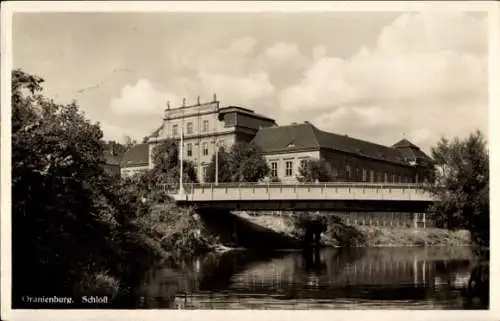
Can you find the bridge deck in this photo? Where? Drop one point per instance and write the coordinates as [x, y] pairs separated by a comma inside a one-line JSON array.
[[315, 196], [310, 192]]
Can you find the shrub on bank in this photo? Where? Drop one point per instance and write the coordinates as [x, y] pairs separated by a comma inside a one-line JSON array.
[[337, 233], [396, 236], [178, 230]]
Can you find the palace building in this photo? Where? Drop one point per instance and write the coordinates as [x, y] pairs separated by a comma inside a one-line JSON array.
[[208, 125], [205, 126]]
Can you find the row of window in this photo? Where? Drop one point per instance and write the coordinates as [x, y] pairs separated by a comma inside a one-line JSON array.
[[204, 148], [189, 128], [373, 176]]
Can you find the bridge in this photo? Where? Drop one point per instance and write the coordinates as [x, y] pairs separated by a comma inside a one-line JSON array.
[[332, 196]]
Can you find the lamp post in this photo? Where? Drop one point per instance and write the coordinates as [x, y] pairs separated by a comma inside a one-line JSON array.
[[216, 162], [181, 165]]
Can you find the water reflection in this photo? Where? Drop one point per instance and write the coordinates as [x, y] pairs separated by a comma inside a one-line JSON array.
[[356, 278]]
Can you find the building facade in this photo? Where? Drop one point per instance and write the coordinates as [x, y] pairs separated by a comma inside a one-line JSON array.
[[351, 159], [205, 126]]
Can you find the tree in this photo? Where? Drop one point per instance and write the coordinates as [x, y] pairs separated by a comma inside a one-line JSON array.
[[166, 168], [243, 163], [223, 162], [61, 225], [115, 148], [312, 170], [462, 186], [247, 163], [128, 142]]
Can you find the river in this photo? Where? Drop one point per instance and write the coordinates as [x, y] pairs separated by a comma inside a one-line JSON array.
[[354, 278]]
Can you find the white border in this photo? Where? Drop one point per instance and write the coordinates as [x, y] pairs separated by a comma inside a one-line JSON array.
[[204, 6]]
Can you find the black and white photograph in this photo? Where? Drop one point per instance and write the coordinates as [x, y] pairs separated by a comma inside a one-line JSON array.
[[302, 158]]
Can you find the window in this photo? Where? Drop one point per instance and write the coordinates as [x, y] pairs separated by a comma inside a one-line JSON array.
[[205, 125], [385, 178], [204, 172], [175, 130], [364, 175], [394, 178], [416, 178], [303, 163], [189, 150], [348, 172], [288, 168], [274, 169], [399, 179], [189, 128], [205, 149], [372, 175]]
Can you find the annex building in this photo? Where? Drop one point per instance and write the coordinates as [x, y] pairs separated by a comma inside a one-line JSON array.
[[208, 125]]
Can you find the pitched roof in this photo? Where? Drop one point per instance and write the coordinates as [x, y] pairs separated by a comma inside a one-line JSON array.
[[410, 151], [245, 111], [306, 136], [156, 132], [137, 155], [110, 159], [291, 137]]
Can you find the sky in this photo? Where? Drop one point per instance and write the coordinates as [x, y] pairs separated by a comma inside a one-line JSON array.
[[378, 76]]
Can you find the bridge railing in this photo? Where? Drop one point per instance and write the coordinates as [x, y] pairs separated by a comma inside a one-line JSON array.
[[327, 184], [189, 187]]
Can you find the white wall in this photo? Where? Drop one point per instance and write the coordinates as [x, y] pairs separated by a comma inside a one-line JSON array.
[[295, 158], [129, 171]]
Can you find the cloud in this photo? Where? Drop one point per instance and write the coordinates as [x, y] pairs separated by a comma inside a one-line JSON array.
[[423, 65], [233, 59], [118, 133], [284, 55], [237, 90], [142, 98]]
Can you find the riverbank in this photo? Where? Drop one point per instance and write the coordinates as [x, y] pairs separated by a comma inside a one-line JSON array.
[[341, 234]]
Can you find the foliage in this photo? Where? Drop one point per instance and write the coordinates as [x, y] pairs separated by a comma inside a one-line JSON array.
[[166, 167], [224, 172], [243, 163], [129, 142], [62, 226], [462, 186], [178, 230], [312, 170], [115, 148]]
